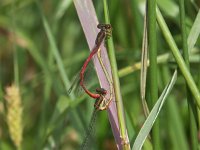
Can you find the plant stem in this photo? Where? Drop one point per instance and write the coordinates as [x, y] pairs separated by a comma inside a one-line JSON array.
[[151, 19], [15, 51], [119, 103], [191, 106], [55, 51], [178, 57]]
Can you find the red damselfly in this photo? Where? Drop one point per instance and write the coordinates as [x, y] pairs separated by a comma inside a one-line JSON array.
[[102, 100], [105, 31], [90, 129], [101, 103]]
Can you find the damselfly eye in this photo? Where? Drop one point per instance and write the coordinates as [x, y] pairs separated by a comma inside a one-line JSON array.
[[100, 25], [101, 91], [104, 26]]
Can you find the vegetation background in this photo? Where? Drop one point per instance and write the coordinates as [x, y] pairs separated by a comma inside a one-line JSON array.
[[43, 116]]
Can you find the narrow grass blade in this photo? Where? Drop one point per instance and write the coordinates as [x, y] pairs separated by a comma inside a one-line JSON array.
[[194, 33], [166, 5], [178, 57], [62, 7], [144, 131], [144, 65], [137, 66], [124, 139], [55, 51]]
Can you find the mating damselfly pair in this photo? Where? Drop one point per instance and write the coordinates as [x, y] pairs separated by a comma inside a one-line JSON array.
[[102, 101]]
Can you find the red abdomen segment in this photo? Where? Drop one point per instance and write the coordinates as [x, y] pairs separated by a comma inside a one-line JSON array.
[[93, 95], [100, 37]]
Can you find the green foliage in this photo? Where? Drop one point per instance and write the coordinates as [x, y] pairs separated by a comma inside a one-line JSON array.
[[43, 46]]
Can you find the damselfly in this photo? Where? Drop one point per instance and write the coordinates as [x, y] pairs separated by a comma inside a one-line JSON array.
[[105, 31]]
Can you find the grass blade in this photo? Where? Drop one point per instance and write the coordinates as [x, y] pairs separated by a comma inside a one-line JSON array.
[[179, 59], [144, 65], [144, 131], [55, 52], [194, 32]]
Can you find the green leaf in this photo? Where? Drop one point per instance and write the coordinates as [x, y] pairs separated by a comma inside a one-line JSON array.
[[166, 5], [194, 33], [144, 131]]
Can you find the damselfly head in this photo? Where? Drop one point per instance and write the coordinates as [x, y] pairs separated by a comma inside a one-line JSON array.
[[101, 91], [104, 27]]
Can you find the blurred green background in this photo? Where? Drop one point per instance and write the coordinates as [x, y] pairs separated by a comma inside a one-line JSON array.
[[51, 120]]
